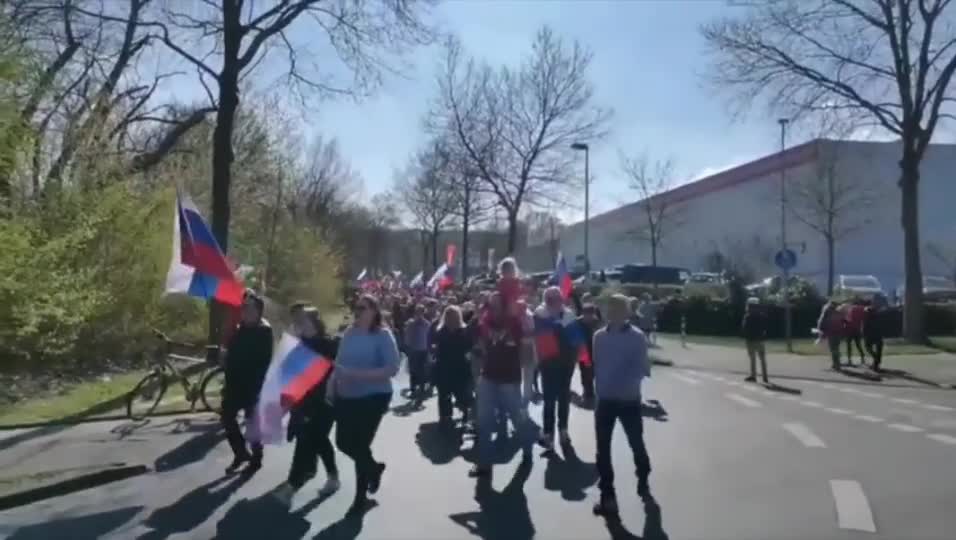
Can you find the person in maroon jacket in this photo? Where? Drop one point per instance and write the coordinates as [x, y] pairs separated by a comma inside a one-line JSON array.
[[853, 331], [499, 385]]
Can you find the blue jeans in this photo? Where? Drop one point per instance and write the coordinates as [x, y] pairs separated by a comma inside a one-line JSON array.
[[493, 399]]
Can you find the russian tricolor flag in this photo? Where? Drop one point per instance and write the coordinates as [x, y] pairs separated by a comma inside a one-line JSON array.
[[199, 268], [294, 371], [563, 277]]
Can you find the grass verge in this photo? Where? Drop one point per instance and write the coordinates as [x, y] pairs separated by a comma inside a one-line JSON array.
[[86, 400], [808, 347]]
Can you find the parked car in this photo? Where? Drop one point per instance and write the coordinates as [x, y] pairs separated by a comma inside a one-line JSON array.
[[709, 284], [664, 279], [935, 289], [857, 285], [797, 286]]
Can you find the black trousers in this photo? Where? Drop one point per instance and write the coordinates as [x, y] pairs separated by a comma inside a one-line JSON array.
[[874, 345], [850, 340], [453, 382], [606, 415], [228, 419], [358, 420], [556, 390], [312, 442], [417, 369], [587, 380]]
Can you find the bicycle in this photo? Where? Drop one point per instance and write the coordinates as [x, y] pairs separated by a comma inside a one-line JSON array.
[[151, 389]]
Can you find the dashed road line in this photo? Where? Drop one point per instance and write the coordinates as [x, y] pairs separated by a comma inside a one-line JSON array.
[[789, 398], [835, 410], [813, 404], [942, 408], [866, 418], [942, 437], [871, 394], [686, 379], [853, 509], [905, 401], [905, 428], [804, 435], [747, 402]]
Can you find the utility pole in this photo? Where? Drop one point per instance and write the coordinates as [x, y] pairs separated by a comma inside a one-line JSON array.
[[785, 286]]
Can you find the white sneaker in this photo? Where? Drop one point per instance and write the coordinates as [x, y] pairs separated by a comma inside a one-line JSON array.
[[332, 485], [284, 493]]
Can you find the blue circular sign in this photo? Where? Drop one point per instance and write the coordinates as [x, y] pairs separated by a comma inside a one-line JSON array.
[[785, 259]]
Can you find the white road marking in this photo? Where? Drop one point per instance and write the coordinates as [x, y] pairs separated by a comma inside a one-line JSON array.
[[811, 404], [850, 390], [853, 510], [835, 410], [905, 428], [905, 401], [768, 393], [865, 418], [686, 379], [804, 435], [872, 394], [747, 402], [735, 383], [829, 386], [943, 438], [718, 378], [789, 398], [938, 408]]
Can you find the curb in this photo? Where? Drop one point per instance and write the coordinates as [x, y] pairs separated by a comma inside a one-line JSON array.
[[72, 485], [91, 419]]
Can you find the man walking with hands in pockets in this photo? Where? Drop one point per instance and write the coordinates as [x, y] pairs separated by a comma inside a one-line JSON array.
[[620, 364]]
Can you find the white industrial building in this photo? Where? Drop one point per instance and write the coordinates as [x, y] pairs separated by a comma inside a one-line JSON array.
[[736, 213]]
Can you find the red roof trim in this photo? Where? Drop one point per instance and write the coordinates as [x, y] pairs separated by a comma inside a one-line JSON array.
[[788, 159]]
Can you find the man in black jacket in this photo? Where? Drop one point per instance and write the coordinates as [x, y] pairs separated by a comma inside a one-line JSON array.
[[754, 330], [247, 359]]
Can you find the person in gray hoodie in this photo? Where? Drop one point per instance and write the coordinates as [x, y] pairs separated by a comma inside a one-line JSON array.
[[620, 364]]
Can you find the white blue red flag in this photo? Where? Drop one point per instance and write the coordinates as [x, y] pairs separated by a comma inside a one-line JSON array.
[[362, 274], [199, 268], [417, 280], [294, 371], [563, 277]]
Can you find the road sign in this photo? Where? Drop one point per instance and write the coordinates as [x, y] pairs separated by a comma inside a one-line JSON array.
[[785, 259]]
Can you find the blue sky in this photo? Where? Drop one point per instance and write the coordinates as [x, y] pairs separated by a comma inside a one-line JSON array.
[[648, 65]]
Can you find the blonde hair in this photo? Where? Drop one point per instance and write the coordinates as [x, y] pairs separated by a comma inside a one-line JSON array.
[[444, 317], [508, 261]]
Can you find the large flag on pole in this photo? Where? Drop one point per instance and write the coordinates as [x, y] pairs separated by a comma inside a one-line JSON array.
[[294, 371], [199, 268]]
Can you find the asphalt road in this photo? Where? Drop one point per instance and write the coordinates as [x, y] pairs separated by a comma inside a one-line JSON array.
[[731, 461]]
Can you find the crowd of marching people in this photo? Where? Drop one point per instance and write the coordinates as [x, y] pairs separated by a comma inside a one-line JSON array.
[[487, 354]]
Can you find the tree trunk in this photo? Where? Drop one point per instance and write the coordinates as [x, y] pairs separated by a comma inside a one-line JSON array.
[[222, 155], [913, 329], [512, 232], [831, 250], [654, 264], [434, 249], [465, 219], [424, 241]]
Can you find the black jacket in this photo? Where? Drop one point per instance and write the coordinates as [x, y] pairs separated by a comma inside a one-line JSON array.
[[754, 326], [247, 360], [451, 352]]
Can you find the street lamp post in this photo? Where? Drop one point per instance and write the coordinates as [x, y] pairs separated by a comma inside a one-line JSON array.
[[587, 202], [785, 287]]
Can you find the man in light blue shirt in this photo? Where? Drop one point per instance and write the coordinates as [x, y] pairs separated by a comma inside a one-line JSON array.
[[620, 364]]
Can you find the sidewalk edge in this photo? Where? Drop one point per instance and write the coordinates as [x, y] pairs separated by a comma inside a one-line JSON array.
[[72, 485]]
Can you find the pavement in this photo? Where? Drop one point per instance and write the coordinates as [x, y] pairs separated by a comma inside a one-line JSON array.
[[819, 458]]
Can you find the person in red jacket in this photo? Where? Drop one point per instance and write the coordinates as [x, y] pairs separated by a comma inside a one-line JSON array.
[[854, 330]]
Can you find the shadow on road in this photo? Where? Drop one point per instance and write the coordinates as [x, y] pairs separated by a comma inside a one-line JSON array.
[[193, 509], [439, 443], [653, 525], [266, 517], [192, 450], [907, 376], [569, 474], [89, 526], [774, 387], [347, 528], [654, 409], [501, 514]]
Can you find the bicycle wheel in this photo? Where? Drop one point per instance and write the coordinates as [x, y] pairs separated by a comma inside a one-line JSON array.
[[145, 396], [211, 389]]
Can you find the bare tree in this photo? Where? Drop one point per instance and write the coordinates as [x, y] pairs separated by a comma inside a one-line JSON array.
[[516, 125], [424, 190], [545, 225], [321, 192], [834, 202], [944, 255], [651, 182], [886, 62]]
